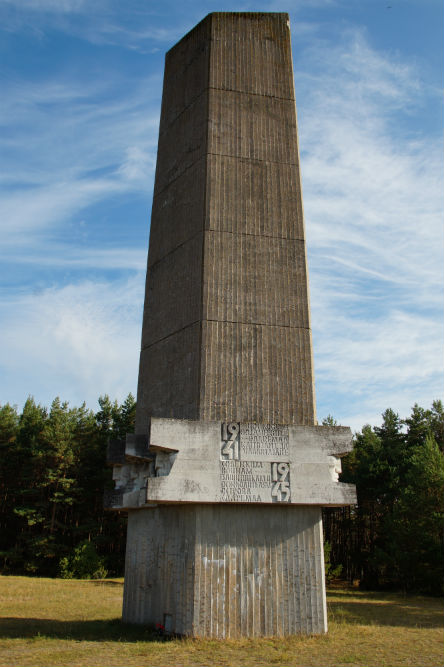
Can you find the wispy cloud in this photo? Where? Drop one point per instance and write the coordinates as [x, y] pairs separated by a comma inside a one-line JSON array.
[[77, 148], [373, 209], [58, 6], [135, 26], [142, 27], [83, 338]]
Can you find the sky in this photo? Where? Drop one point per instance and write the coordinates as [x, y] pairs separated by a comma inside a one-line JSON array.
[[81, 85]]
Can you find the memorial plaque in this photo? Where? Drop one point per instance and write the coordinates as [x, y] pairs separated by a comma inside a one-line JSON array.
[[260, 441], [233, 462], [254, 481], [246, 473]]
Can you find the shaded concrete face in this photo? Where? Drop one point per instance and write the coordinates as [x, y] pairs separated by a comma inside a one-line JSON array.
[[226, 332]]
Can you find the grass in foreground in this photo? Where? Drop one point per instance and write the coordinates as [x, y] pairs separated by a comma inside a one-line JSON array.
[[76, 623]]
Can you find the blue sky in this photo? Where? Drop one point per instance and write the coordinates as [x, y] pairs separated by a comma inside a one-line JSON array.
[[81, 87]]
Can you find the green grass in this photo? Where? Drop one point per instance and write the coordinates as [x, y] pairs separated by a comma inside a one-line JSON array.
[[76, 623]]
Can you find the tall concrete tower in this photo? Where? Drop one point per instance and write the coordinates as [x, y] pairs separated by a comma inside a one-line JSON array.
[[227, 473]]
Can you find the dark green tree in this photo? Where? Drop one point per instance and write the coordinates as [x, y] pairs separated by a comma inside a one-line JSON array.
[[52, 477], [396, 530]]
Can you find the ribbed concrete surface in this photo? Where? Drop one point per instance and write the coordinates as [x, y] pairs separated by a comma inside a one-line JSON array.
[[241, 185], [247, 352], [250, 53], [227, 248], [254, 280], [219, 571]]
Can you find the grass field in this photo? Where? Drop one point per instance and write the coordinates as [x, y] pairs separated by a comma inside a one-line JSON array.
[[76, 623]]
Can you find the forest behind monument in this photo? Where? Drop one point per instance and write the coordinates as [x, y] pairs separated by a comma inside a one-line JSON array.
[[53, 476]]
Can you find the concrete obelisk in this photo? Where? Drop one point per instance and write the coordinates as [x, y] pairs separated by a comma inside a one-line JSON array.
[[224, 480]]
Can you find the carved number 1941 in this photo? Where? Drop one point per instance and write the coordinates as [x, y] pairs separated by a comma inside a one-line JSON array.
[[230, 440]]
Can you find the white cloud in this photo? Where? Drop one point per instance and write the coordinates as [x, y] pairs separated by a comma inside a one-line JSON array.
[[373, 208], [36, 209], [78, 341], [138, 166], [81, 257], [72, 146], [133, 26]]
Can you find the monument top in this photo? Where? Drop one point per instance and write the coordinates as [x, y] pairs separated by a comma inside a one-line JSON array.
[[233, 16]]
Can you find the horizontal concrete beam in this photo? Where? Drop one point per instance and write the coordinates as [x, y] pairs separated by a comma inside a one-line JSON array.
[[230, 462]]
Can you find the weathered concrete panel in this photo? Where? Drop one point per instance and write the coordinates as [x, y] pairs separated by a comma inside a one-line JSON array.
[[252, 126], [226, 571], [173, 292], [186, 73], [178, 212], [168, 378], [255, 280], [256, 373], [250, 54], [183, 144], [254, 197]]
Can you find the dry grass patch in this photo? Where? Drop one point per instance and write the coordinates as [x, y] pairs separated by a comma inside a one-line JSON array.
[[76, 623]]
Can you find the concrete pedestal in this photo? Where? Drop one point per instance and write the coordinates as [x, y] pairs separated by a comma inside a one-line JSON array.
[[226, 570]]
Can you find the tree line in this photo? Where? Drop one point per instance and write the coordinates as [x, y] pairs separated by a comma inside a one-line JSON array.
[[53, 475], [394, 537]]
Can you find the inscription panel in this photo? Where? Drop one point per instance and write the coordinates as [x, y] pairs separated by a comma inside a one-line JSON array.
[[230, 441], [236, 462], [280, 475], [258, 442], [264, 442], [254, 481], [251, 463]]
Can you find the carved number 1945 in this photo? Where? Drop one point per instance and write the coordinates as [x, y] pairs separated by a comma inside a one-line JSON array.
[[280, 476]]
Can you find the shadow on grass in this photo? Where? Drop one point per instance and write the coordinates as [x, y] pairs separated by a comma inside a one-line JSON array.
[[383, 610], [105, 582], [407, 612], [102, 631]]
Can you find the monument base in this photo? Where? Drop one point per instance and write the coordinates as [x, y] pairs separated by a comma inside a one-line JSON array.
[[208, 570]]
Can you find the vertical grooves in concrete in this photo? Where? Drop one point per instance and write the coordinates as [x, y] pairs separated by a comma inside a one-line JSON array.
[[239, 184], [228, 105], [255, 572], [230, 372], [253, 278]]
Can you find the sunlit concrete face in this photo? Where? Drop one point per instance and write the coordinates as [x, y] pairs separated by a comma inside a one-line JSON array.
[[221, 571]]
